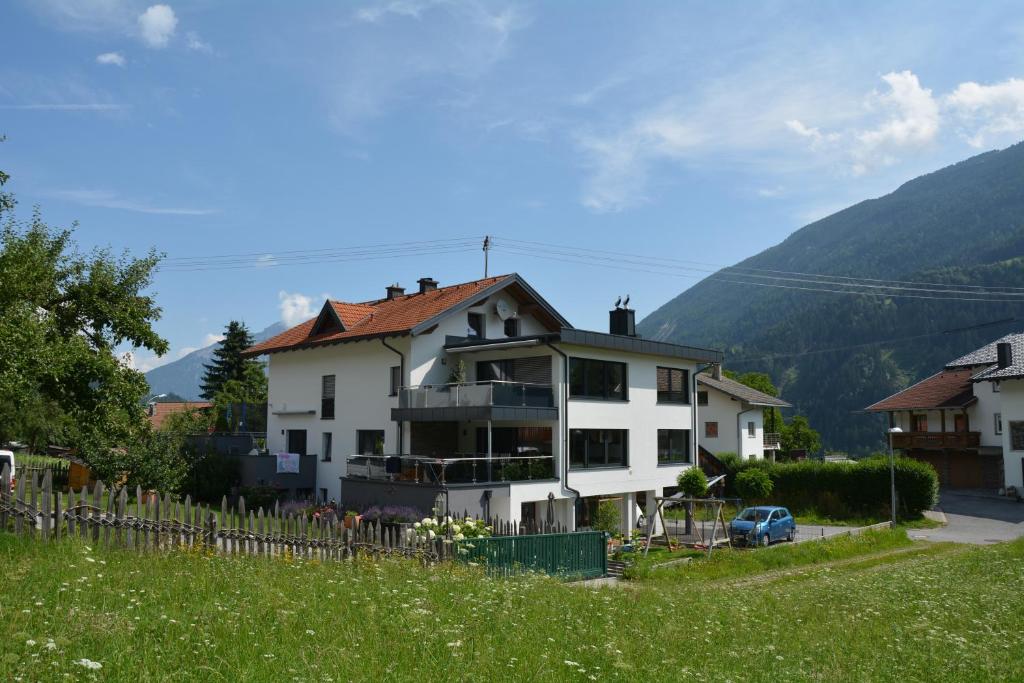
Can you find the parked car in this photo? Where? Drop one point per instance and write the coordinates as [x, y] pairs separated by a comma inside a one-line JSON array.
[[762, 525], [7, 458]]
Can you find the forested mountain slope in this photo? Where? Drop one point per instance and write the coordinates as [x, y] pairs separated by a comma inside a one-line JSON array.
[[962, 225]]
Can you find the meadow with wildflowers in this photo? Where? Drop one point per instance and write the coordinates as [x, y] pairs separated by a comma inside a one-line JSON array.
[[894, 611]]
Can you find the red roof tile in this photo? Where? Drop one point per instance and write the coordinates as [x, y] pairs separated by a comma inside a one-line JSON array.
[[378, 318], [161, 411], [947, 389]]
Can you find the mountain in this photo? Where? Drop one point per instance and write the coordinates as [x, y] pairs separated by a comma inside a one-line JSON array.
[[185, 375], [833, 354]]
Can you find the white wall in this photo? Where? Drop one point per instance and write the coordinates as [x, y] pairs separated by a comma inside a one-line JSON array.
[[729, 413], [982, 414], [362, 372], [641, 415], [1012, 405]]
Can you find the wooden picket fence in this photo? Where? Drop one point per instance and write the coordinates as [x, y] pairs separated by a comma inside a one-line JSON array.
[[107, 519]]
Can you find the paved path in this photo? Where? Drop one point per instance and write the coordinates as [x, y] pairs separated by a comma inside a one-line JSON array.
[[975, 518]]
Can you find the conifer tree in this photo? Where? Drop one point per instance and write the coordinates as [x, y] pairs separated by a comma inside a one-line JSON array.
[[228, 363]]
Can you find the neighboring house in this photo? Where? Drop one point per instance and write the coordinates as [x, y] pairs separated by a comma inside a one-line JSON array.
[[955, 420], [732, 417], [1005, 380], [545, 421], [159, 412]]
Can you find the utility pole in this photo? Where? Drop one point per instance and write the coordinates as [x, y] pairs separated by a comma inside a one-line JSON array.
[[487, 249]]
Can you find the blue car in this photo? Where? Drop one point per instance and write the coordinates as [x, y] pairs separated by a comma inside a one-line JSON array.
[[762, 525]]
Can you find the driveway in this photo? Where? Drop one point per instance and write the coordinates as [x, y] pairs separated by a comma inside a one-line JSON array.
[[975, 517]]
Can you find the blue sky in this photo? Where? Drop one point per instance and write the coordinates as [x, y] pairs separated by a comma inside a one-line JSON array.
[[702, 131]]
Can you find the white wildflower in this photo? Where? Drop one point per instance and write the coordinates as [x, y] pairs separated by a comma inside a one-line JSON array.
[[89, 664]]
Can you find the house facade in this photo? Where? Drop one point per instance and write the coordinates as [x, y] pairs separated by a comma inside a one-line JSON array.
[[732, 417], [955, 420], [480, 397]]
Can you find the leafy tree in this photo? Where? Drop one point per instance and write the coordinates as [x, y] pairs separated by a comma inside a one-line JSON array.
[[693, 482], [607, 517], [63, 317], [798, 435], [251, 389], [762, 382], [753, 484], [228, 363]]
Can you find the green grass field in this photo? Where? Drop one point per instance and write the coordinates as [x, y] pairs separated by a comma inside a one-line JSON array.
[[875, 608]]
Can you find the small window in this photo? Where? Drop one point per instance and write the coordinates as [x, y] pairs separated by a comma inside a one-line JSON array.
[[1016, 435], [512, 327], [995, 387], [751, 430], [711, 430], [395, 380], [920, 423], [370, 441], [323, 495], [702, 398], [999, 423], [297, 441], [673, 446], [673, 385], [475, 322], [325, 448], [327, 397]]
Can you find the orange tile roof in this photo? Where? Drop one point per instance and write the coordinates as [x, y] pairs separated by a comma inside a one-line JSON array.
[[947, 389], [378, 318], [161, 411]]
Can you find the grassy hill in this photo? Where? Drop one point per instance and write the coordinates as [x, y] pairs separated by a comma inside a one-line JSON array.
[[861, 609], [961, 225]]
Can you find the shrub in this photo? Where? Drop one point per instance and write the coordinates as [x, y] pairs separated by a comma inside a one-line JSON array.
[[607, 517], [693, 483], [754, 484]]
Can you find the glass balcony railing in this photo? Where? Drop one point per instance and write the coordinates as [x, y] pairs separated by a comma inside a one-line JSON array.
[[463, 469], [478, 394]]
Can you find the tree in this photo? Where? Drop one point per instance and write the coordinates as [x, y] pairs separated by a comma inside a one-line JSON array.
[[753, 484], [228, 363], [762, 382], [693, 482], [607, 517], [64, 316], [250, 390], [798, 435]]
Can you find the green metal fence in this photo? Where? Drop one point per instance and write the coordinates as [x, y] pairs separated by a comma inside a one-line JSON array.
[[581, 554]]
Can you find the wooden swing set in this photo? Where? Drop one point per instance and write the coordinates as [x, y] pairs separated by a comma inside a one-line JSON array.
[[702, 543]]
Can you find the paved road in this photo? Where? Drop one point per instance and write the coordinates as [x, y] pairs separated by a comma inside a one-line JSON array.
[[975, 518]]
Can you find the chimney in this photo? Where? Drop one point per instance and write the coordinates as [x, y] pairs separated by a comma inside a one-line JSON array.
[[716, 371], [427, 284], [394, 290], [622, 321], [1004, 355]]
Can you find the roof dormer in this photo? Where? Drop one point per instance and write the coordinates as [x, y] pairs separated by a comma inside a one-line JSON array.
[[328, 322]]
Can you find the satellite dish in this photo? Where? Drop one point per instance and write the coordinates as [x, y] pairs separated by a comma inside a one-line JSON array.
[[504, 310]]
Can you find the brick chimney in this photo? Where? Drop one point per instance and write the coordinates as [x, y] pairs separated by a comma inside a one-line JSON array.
[[394, 290], [427, 284]]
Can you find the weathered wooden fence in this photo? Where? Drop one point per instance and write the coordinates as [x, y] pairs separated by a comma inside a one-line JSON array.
[[108, 518]]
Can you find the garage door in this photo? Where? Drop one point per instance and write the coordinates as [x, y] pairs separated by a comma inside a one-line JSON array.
[[965, 470]]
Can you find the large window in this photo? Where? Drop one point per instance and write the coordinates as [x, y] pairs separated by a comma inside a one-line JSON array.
[[673, 446], [327, 397], [673, 385], [599, 379], [1016, 435], [370, 441], [589, 448], [297, 441]]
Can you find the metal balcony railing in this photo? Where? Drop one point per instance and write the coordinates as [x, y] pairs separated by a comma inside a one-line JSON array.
[[772, 441], [462, 469], [478, 394]]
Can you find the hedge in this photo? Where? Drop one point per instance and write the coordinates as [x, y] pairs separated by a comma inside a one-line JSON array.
[[839, 490]]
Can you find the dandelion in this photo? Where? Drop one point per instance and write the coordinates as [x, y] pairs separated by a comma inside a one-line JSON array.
[[88, 664]]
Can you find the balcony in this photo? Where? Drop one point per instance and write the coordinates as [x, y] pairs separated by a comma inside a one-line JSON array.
[[493, 400], [460, 469], [935, 440], [772, 441]]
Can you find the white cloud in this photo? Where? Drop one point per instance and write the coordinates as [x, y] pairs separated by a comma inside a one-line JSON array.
[[142, 361], [987, 111], [295, 307], [195, 43], [912, 121], [212, 338], [157, 25], [402, 8], [110, 200], [771, 192], [185, 350], [111, 58]]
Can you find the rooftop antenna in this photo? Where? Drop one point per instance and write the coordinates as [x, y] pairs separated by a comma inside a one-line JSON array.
[[487, 249]]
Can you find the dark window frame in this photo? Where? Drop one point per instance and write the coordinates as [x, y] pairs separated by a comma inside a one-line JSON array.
[[326, 445], [584, 367], [480, 328], [1016, 428], [702, 398], [328, 387], [676, 395], [592, 458], [376, 434], [669, 458], [514, 323], [751, 429], [394, 379]]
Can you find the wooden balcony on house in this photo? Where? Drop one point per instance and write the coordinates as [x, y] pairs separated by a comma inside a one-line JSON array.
[[936, 440]]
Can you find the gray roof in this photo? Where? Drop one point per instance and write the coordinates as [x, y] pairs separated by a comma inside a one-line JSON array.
[[986, 355], [618, 342], [742, 392], [1016, 368]]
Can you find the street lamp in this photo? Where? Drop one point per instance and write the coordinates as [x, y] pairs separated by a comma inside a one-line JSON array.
[[892, 474]]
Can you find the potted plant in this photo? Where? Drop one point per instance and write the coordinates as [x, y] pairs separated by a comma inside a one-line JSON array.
[[352, 519]]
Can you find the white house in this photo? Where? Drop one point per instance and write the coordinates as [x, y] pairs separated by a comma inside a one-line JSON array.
[[732, 417], [956, 419], [482, 397]]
